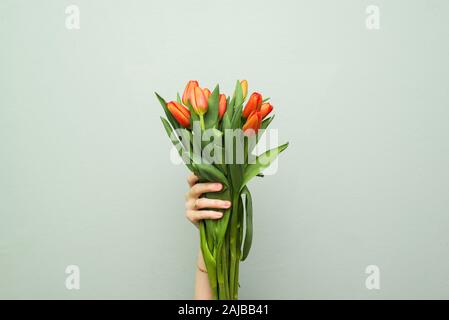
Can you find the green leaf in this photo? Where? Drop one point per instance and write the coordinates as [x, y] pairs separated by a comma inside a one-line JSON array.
[[182, 153], [170, 118], [248, 222], [236, 121], [236, 173], [211, 116], [240, 224], [262, 162], [266, 122], [210, 173], [220, 225], [235, 168], [265, 100], [227, 117], [238, 93], [186, 139], [210, 234], [230, 108], [193, 115], [237, 101], [178, 97], [226, 122]]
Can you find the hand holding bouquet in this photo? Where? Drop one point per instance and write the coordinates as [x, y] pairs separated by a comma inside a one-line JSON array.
[[216, 135]]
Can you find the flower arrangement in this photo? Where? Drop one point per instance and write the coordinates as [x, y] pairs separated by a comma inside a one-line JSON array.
[[216, 135]]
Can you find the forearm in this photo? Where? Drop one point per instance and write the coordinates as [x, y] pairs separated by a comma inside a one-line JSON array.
[[202, 285], [199, 208]]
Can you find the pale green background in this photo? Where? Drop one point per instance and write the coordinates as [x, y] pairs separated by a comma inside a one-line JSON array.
[[85, 176]]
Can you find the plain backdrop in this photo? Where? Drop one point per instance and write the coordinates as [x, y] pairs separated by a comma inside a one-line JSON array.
[[86, 177]]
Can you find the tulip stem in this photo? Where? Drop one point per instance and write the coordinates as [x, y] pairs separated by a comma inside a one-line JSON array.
[[209, 261], [202, 121], [233, 244]]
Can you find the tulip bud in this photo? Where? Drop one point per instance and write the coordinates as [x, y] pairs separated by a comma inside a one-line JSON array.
[[244, 84], [252, 124], [180, 113], [198, 101], [222, 106], [188, 91], [254, 103], [265, 109], [207, 93]]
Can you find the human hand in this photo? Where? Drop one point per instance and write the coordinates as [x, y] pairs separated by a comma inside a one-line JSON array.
[[195, 205]]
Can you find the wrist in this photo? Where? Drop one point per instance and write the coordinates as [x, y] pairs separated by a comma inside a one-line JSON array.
[[200, 262]]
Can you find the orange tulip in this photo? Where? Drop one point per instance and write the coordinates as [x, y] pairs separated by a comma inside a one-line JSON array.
[[244, 84], [254, 103], [198, 101], [222, 106], [188, 91], [207, 93], [265, 109], [253, 123], [180, 113]]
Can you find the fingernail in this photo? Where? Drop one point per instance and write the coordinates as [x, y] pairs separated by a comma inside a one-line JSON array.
[[219, 214], [218, 186], [227, 204]]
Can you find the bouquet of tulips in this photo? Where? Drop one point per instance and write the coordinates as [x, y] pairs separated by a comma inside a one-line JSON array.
[[216, 135]]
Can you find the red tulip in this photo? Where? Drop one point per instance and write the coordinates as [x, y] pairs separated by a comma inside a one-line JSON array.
[[254, 103], [198, 101], [253, 123], [265, 109], [180, 113], [222, 106], [207, 93], [188, 91]]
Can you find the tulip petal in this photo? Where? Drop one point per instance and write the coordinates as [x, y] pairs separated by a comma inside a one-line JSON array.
[[180, 113], [169, 116], [198, 101], [207, 93], [222, 104], [265, 109], [254, 103], [253, 123], [188, 91], [244, 85]]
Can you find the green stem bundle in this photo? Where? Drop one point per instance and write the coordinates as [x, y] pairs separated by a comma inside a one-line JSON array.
[[223, 260]]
